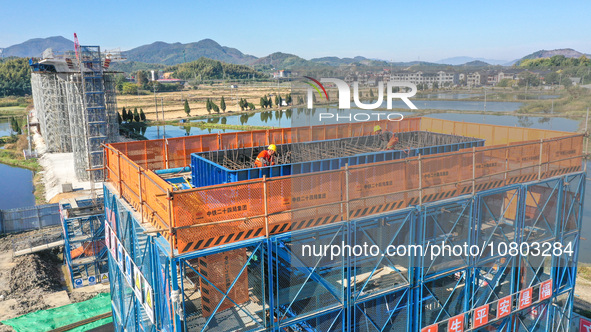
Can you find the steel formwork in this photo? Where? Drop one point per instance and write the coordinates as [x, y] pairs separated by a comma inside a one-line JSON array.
[[85, 254], [231, 257]]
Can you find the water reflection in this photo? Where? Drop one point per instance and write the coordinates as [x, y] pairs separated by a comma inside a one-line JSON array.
[[5, 129], [548, 123], [16, 187]]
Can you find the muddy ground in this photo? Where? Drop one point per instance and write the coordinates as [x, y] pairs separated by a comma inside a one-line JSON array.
[[36, 281]]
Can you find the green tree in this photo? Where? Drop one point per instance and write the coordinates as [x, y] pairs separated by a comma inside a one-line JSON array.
[[371, 93], [223, 104], [435, 85], [251, 106], [505, 82], [208, 105], [119, 119], [270, 102], [129, 89], [142, 78], [278, 100], [263, 103], [214, 107], [552, 78], [124, 114], [528, 79], [136, 115], [15, 77], [142, 115], [13, 124], [187, 108]]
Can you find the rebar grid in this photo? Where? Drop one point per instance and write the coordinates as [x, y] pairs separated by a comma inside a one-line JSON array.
[[243, 158]]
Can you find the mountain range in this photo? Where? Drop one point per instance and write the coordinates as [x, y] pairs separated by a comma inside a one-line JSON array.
[[35, 47], [460, 60], [168, 54]]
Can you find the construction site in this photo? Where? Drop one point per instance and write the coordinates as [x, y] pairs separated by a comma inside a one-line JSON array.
[[201, 240], [75, 105], [188, 234], [75, 110]]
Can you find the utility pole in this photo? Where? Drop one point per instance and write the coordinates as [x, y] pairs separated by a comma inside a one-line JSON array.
[[485, 98], [164, 125], [155, 100]]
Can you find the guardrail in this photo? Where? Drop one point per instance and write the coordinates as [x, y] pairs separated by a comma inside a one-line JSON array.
[[199, 218]]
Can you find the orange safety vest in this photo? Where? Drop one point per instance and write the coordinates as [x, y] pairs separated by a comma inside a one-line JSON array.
[[393, 141], [264, 159]]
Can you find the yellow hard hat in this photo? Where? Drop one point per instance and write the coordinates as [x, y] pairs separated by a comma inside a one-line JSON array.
[[273, 147], [376, 128]]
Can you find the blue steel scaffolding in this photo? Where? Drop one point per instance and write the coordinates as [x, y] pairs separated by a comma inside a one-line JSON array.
[[85, 254], [267, 284], [271, 279]]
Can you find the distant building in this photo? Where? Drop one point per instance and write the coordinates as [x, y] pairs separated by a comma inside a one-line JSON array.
[[442, 78], [474, 79], [282, 74]]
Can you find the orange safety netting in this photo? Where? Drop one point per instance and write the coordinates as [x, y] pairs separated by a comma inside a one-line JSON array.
[[494, 135], [176, 152], [206, 217]]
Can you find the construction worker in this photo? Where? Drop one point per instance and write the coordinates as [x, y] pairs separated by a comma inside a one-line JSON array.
[[266, 157], [386, 139]]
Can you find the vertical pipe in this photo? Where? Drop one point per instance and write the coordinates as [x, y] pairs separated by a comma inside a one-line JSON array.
[[473, 170], [420, 181], [119, 175], [175, 288], [586, 140], [266, 206], [347, 294], [506, 166], [540, 161], [141, 196], [170, 221], [166, 153]]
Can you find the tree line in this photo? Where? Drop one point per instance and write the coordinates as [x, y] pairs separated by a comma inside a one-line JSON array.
[[15, 77], [128, 116], [208, 69], [556, 61]]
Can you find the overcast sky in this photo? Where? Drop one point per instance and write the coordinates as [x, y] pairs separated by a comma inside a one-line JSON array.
[[389, 30]]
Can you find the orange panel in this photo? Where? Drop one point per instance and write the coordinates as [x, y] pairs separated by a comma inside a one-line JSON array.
[[220, 271]]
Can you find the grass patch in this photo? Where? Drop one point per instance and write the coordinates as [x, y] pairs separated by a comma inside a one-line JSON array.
[[584, 271], [13, 158], [573, 103], [39, 189], [12, 111], [12, 155]]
